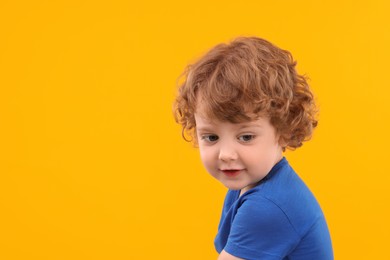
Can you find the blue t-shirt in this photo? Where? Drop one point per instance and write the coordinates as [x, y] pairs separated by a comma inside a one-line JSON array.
[[278, 219]]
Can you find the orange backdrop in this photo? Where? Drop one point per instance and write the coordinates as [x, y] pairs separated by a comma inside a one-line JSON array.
[[92, 165]]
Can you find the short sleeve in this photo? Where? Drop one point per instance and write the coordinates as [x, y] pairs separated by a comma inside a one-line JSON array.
[[261, 230]]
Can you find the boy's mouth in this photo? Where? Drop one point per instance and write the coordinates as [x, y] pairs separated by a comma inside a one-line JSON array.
[[231, 172]]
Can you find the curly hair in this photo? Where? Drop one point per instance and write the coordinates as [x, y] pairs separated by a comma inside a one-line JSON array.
[[245, 79]]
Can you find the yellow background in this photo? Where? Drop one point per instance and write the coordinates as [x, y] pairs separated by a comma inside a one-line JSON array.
[[92, 165]]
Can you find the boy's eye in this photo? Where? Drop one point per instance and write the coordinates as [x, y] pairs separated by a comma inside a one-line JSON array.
[[246, 138], [210, 138]]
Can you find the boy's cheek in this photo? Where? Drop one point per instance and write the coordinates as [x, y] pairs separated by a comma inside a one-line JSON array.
[[206, 157], [202, 154]]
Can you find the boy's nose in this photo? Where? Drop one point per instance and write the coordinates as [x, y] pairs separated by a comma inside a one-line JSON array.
[[227, 154]]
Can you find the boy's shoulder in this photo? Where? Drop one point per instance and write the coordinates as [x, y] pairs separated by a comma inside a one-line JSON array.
[[283, 193]]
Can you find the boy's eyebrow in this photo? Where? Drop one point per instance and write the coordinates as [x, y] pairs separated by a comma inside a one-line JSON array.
[[210, 128], [203, 128], [250, 125]]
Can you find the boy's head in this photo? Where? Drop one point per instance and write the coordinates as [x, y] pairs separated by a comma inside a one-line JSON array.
[[242, 81]]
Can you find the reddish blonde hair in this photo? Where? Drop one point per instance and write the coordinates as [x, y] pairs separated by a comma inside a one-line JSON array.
[[245, 79]]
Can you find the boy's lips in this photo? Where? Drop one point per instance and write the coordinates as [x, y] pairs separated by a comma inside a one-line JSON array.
[[231, 172]]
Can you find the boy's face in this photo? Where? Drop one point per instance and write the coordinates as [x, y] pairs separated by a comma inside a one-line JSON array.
[[238, 155]]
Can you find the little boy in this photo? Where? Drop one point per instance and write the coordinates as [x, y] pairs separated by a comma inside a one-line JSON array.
[[243, 104]]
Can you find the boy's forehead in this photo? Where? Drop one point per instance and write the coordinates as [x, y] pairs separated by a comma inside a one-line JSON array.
[[204, 121], [202, 113], [209, 108]]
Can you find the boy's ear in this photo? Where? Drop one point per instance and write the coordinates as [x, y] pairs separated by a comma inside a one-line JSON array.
[[281, 140]]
